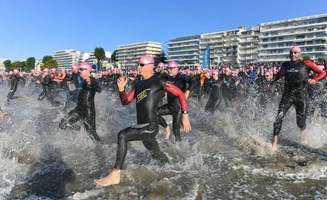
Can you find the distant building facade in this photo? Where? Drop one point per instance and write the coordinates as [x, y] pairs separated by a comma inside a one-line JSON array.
[[66, 57], [2, 66], [267, 42], [128, 55]]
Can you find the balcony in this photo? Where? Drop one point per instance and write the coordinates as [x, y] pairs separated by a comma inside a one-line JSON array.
[[264, 29]]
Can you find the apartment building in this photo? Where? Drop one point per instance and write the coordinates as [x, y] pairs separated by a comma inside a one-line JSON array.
[[276, 38], [267, 42], [248, 46], [129, 54], [2, 66], [184, 50], [71, 55]]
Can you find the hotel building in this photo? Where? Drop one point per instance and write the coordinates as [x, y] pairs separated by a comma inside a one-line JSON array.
[[267, 42], [71, 55], [129, 54]]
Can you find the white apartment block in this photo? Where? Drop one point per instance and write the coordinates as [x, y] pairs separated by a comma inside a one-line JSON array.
[[70, 54], [248, 46], [276, 38], [129, 54], [2, 66], [184, 50], [267, 42]]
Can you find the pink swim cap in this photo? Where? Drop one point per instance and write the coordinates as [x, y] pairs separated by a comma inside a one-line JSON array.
[[215, 72], [267, 73], [321, 67], [53, 69], [85, 65], [63, 69], [16, 71], [295, 49], [172, 64], [161, 64], [198, 67], [74, 66], [147, 59], [46, 70]]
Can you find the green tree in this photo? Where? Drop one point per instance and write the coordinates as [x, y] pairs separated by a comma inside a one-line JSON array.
[[100, 54], [21, 65], [161, 57], [7, 64], [113, 56], [51, 63], [46, 58], [306, 57], [30, 64]]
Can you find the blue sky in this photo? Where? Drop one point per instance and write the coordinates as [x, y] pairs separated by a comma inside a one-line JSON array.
[[41, 27]]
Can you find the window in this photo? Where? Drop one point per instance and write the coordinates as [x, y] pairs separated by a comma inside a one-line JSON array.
[[310, 36], [310, 42], [309, 49], [299, 43], [319, 55], [273, 39], [320, 34], [265, 40], [280, 45], [265, 46], [320, 48], [312, 22], [280, 51]]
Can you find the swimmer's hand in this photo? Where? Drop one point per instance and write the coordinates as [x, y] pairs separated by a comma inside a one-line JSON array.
[[186, 123], [312, 81], [121, 82]]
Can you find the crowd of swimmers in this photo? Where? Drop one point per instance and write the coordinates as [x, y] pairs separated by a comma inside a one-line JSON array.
[[299, 83]]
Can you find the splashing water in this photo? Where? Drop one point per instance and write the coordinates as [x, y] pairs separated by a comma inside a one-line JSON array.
[[227, 155]]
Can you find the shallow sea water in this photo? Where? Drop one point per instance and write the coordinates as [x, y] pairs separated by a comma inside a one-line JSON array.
[[227, 155]]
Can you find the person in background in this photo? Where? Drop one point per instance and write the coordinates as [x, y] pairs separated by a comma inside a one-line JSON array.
[[85, 109]]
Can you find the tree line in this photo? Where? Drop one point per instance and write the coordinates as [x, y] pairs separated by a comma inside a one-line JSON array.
[[49, 62]]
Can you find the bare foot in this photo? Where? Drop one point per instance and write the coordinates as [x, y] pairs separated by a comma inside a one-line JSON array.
[[56, 119], [22, 96], [274, 143], [112, 179], [167, 133], [5, 117], [303, 137]]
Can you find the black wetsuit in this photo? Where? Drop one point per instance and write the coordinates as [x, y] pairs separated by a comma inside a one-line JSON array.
[[296, 74], [215, 96], [75, 77], [85, 110], [317, 98], [173, 106], [14, 79], [148, 94], [46, 85], [228, 89]]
